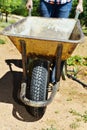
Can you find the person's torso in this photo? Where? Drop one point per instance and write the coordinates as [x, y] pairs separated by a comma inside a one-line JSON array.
[[57, 1]]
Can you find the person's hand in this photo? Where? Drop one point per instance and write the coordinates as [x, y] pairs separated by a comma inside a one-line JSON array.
[[80, 7], [29, 4]]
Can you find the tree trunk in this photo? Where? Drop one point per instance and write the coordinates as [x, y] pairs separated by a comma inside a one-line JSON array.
[[6, 17]]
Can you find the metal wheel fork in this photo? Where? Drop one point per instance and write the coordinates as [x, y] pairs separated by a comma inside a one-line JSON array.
[[23, 98], [24, 60], [58, 62]]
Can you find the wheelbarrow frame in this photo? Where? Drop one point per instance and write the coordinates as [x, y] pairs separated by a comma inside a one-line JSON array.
[[57, 51], [24, 84]]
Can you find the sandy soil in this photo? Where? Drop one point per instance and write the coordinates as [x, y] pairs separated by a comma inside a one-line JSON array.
[[68, 111]]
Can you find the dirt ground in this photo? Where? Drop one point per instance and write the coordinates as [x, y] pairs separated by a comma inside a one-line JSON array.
[[68, 111]]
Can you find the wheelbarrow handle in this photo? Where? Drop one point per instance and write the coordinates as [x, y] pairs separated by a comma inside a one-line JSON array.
[[77, 14], [30, 11]]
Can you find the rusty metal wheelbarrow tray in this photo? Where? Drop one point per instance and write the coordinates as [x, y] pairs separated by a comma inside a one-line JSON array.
[[42, 35]]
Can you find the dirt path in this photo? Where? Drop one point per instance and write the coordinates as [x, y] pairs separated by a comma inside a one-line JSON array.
[[68, 111]]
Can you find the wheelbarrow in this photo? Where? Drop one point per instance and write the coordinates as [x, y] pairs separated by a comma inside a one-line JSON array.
[[45, 44]]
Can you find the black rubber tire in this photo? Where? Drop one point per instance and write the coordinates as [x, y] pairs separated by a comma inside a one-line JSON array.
[[38, 86]]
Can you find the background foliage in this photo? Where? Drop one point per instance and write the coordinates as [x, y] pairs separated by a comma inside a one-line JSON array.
[[83, 16]]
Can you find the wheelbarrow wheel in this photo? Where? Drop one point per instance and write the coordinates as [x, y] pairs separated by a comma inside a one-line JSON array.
[[38, 86]]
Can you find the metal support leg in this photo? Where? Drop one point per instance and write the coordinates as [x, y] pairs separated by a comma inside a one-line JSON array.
[[58, 62], [24, 59]]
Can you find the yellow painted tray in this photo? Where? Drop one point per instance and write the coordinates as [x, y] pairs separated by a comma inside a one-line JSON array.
[[42, 35]]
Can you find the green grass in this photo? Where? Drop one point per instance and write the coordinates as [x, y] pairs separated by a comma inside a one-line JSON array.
[[2, 41], [69, 99], [77, 60], [84, 29], [51, 128], [74, 125], [4, 24], [82, 117], [56, 112], [74, 112]]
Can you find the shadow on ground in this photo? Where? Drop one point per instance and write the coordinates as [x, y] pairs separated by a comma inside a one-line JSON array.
[[9, 89]]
